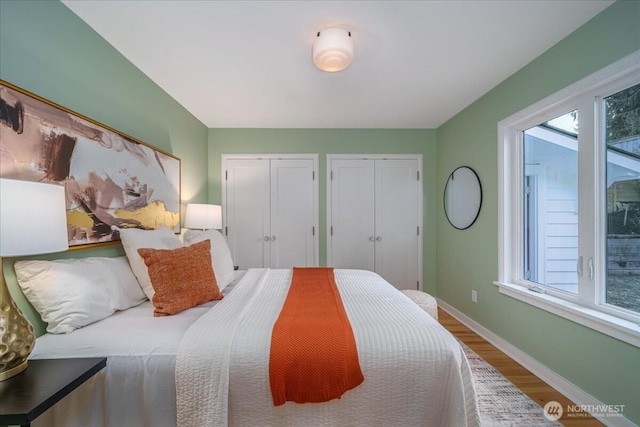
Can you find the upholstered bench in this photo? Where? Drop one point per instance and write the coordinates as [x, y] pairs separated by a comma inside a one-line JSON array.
[[424, 300]]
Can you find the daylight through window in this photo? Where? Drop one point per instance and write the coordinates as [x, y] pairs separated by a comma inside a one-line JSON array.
[[570, 202]]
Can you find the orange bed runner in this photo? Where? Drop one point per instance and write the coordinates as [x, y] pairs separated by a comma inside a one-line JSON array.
[[313, 351]]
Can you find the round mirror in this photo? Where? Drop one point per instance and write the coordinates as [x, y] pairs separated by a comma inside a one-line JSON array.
[[462, 197]]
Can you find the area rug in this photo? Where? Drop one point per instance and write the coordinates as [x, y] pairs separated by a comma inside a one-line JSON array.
[[500, 402]]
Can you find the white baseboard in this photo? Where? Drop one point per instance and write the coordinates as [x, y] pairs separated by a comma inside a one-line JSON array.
[[565, 387]]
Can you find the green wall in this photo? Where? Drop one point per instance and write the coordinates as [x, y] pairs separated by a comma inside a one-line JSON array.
[[46, 49], [602, 366], [337, 141]]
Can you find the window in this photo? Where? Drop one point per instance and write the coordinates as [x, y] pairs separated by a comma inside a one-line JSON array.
[[622, 187], [570, 202], [550, 204]]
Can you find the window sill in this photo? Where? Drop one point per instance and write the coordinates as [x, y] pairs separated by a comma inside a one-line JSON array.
[[615, 327]]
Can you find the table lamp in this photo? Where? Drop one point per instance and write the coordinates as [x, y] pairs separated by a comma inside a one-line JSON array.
[[203, 216], [33, 221]]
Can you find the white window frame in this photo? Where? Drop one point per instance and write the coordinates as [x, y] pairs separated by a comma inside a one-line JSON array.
[[587, 308]]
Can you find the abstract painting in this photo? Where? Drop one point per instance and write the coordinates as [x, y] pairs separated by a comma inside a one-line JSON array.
[[112, 180]]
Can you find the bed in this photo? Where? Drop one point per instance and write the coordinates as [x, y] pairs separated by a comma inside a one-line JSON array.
[[137, 388], [208, 365]]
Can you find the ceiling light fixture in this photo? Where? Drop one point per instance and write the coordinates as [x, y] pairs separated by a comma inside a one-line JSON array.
[[333, 49]]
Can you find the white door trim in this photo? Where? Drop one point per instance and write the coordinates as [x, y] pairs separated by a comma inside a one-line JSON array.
[[286, 156], [418, 157]]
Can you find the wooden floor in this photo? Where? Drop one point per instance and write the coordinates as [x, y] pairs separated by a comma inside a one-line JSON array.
[[531, 385]]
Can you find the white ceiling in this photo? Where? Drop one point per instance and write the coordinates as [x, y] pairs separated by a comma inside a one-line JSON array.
[[247, 64]]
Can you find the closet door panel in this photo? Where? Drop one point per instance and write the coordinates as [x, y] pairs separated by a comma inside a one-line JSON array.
[[292, 213], [247, 209], [352, 214], [396, 222]]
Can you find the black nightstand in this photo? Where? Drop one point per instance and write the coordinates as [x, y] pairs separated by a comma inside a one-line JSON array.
[[45, 382]]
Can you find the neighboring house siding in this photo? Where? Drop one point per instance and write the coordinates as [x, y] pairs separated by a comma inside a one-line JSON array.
[[561, 235], [552, 173]]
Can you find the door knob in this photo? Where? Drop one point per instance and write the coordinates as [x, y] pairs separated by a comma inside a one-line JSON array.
[[273, 238], [266, 238], [371, 239], [378, 239]]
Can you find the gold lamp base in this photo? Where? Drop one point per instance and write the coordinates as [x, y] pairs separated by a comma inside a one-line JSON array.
[[16, 334], [13, 371]]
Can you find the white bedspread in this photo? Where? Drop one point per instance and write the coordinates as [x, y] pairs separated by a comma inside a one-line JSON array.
[[415, 371], [137, 388]]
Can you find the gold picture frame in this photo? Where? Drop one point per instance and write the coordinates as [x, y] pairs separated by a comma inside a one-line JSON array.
[[112, 180]]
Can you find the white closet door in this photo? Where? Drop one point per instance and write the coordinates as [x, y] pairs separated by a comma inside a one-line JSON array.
[[247, 209], [352, 214], [396, 222], [292, 213]]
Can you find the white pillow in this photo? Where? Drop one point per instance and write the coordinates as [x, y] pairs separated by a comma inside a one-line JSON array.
[[72, 293], [134, 239], [220, 254]]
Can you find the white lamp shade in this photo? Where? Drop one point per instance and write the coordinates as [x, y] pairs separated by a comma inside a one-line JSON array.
[[203, 216], [33, 218], [333, 49]]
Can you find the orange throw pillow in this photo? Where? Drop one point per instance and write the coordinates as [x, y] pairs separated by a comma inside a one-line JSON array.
[[182, 278]]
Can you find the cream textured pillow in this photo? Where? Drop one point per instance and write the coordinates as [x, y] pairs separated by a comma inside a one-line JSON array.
[[182, 277], [134, 239], [71, 293], [220, 253]]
